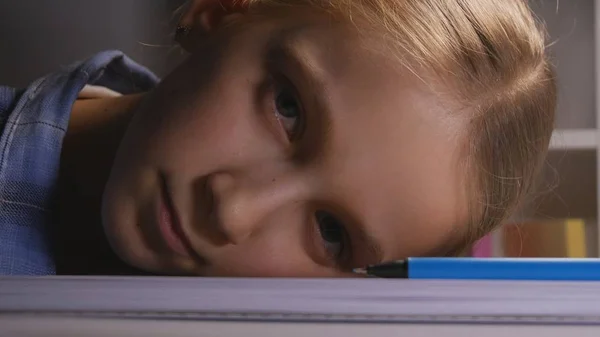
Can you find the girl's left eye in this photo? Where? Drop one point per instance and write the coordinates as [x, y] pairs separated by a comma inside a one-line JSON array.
[[333, 235], [288, 111]]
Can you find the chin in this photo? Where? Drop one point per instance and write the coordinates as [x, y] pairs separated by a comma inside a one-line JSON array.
[[123, 235], [132, 253]]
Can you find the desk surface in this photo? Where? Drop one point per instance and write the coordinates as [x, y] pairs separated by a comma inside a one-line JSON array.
[[71, 327], [305, 300]]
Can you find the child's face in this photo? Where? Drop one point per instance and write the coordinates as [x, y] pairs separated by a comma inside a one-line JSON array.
[[284, 149]]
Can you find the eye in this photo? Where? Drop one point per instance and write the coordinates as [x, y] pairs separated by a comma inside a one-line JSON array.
[[333, 234], [288, 110]]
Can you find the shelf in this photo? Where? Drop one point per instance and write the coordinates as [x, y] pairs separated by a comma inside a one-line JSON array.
[[591, 233], [567, 188], [576, 139]]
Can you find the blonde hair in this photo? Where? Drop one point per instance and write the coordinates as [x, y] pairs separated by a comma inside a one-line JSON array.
[[493, 56]]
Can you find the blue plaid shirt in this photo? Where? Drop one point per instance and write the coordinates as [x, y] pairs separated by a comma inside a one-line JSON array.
[[33, 122]]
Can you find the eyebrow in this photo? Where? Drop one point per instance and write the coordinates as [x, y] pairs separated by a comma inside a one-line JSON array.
[[290, 51]]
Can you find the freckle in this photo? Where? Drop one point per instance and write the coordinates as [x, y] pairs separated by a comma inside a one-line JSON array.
[[274, 179]]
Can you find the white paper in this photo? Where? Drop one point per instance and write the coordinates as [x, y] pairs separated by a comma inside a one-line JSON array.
[[305, 300]]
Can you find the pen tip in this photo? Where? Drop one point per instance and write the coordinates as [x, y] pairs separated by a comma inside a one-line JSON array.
[[362, 271]]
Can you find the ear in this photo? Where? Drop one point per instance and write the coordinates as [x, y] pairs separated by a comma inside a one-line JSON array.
[[204, 16]]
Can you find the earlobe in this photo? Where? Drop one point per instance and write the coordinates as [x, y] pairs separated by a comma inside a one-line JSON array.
[[204, 16]]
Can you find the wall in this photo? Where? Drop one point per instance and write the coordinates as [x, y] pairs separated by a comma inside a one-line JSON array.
[[38, 36]]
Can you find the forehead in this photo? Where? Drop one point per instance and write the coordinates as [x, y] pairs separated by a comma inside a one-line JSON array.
[[393, 154]]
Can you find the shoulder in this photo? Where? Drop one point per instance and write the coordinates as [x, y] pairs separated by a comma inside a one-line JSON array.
[[33, 123]]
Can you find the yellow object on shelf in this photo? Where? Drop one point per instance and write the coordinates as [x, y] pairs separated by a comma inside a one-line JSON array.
[[575, 238], [546, 239]]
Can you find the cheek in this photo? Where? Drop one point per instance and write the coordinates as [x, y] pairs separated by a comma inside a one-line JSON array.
[[277, 248], [262, 258], [205, 110], [184, 129]]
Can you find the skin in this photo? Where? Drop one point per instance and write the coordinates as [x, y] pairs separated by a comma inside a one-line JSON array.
[[264, 125]]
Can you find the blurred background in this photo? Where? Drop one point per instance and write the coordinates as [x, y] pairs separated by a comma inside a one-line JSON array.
[[39, 36], [561, 219]]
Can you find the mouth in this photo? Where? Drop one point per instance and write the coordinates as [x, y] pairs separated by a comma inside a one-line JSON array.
[[170, 225]]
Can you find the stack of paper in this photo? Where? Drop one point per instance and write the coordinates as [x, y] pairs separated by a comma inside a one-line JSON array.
[[145, 303]]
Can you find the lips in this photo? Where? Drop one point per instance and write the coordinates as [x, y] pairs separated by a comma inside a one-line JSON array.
[[170, 226]]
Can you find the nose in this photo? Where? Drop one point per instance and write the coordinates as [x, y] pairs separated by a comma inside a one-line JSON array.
[[241, 207]]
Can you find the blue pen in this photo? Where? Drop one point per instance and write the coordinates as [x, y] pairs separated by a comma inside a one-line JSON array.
[[548, 269]]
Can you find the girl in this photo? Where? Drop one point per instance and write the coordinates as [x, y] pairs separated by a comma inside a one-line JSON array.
[[299, 138]]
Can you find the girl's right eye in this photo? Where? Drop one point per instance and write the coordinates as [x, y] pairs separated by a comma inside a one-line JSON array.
[[288, 111]]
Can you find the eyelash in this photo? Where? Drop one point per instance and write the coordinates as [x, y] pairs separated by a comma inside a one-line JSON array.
[[280, 86], [323, 218]]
